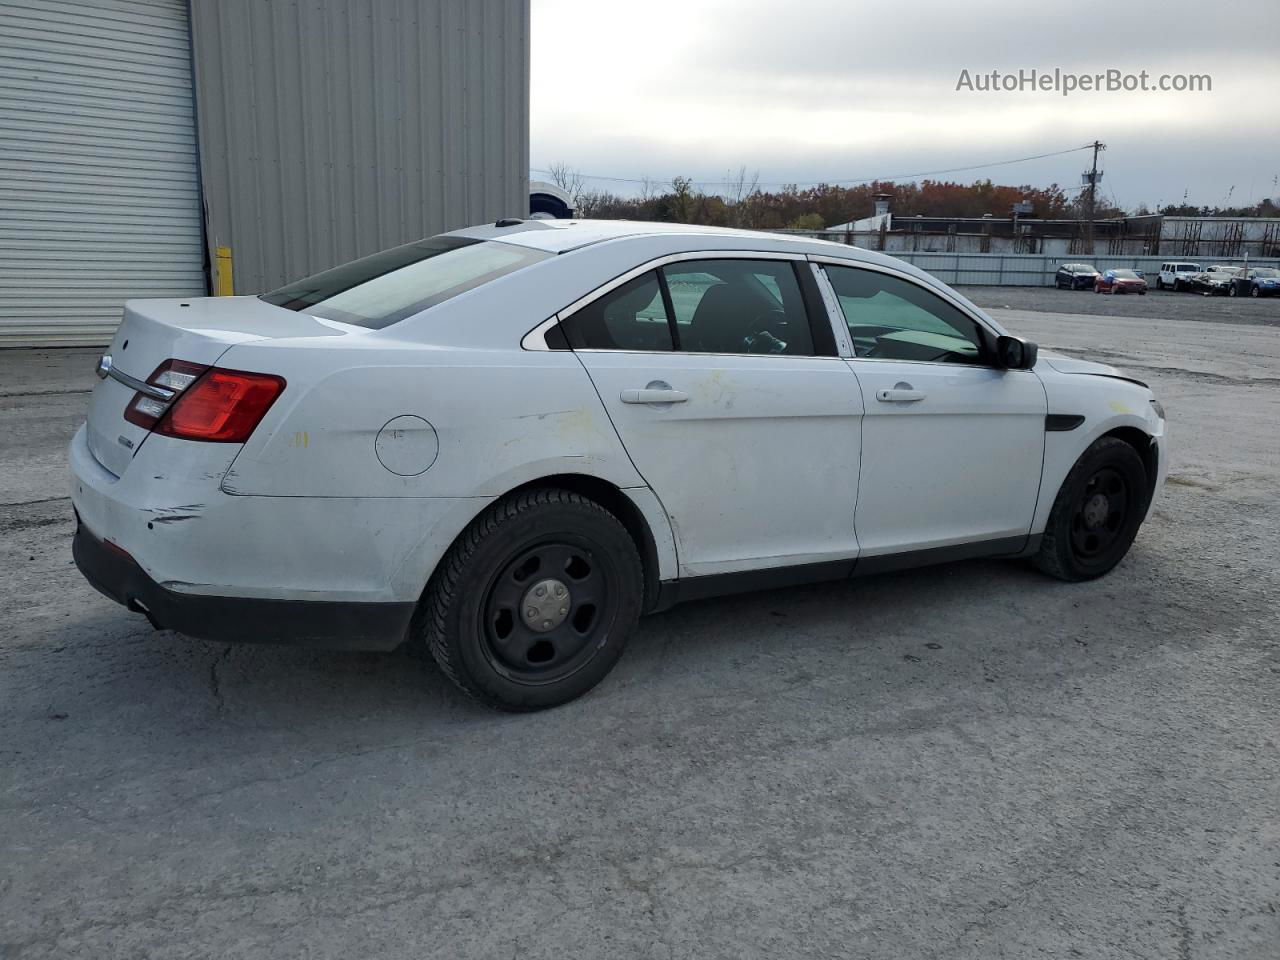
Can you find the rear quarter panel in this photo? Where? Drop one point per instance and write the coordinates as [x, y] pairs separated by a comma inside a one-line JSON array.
[[500, 418]]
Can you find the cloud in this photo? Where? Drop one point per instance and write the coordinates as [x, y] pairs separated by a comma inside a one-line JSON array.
[[811, 89]]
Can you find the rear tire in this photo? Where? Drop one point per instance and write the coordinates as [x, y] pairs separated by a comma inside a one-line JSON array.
[[510, 646], [1096, 514]]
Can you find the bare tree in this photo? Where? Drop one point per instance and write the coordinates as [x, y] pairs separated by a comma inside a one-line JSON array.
[[685, 199], [589, 203], [738, 194], [567, 179]]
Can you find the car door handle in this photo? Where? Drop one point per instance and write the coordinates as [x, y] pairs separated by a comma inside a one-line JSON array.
[[900, 395], [654, 395]]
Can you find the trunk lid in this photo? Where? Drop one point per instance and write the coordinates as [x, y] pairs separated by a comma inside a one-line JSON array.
[[198, 330]]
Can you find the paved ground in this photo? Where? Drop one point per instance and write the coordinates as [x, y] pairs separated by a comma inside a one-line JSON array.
[[1156, 304], [965, 762]]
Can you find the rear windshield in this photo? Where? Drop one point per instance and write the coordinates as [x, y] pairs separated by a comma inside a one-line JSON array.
[[382, 289]]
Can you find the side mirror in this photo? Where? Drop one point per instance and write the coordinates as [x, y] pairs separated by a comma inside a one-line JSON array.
[[1015, 353]]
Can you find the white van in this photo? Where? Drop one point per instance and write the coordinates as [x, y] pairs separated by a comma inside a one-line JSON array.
[[1175, 275]]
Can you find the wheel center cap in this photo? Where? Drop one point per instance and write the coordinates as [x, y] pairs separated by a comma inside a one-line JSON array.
[[1096, 510], [545, 605]]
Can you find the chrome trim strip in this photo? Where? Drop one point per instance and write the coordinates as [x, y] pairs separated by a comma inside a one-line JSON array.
[[698, 353], [835, 314], [146, 389]]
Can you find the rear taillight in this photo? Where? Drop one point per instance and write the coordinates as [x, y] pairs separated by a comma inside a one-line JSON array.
[[222, 406], [172, 377], [204, 403]]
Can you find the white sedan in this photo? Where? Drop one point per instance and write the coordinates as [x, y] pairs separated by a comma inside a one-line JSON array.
[[508, 442]]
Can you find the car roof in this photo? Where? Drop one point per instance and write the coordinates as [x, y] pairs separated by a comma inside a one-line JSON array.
[[561, 236]]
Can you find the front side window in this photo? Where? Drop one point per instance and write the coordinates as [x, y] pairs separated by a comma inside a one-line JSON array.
[[894, 319], [383, 289], [739, 307], [631, 317]]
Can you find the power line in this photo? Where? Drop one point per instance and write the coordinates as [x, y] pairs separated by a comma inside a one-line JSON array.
[[849, 180]]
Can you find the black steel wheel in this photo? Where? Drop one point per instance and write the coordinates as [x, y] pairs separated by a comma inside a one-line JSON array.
[[546, 609], [1096, 514], [534, 603]]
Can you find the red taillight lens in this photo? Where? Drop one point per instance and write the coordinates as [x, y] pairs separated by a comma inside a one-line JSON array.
[[173, 375], [223, 406]]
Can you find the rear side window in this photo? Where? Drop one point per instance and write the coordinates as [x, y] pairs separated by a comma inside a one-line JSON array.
[[632, 317], [739, 306], [383, 289]]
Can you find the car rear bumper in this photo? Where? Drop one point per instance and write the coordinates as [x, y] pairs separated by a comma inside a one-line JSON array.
[[166, 539], [344, 625]]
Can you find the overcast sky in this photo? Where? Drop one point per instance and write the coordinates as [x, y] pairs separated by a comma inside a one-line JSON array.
[[812, 90]]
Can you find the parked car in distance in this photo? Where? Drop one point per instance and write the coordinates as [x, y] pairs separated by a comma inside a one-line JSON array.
[[1120, 281], [1174, 275], [503, 444], [1075, 276], [1214, 281], [1256, 282]]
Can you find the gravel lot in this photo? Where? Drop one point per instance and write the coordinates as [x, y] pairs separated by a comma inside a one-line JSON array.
[[965, 762], [1155, 305]]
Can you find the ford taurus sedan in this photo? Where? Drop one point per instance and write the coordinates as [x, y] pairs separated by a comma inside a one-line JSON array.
[[505, 444]]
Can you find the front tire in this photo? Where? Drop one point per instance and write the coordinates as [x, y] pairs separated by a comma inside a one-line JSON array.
[[534, 603], [1096, 514]]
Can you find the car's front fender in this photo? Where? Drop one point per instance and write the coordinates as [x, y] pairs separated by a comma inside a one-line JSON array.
[[1107, 405]]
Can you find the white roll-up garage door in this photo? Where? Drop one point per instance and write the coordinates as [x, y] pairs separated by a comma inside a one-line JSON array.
[[99, 196]]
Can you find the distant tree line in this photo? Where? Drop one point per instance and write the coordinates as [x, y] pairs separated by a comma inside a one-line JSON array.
[[740, 202]]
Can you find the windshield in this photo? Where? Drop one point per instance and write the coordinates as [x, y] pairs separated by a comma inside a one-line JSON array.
[[382, 289], [1124, 274], [1266, 273]]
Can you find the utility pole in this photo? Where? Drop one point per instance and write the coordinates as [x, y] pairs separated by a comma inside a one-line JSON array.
[[1092, 178]]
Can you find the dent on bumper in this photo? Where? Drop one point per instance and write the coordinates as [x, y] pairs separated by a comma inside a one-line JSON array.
[[328, 624]]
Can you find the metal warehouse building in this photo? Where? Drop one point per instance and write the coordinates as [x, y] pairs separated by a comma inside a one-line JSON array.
[[157, 148]]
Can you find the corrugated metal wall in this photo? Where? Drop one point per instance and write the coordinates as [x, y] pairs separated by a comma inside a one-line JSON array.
[[331, 129], [98, 184]]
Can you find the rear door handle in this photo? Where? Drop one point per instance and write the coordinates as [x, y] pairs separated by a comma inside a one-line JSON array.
[[901, 394], [654, 395]]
